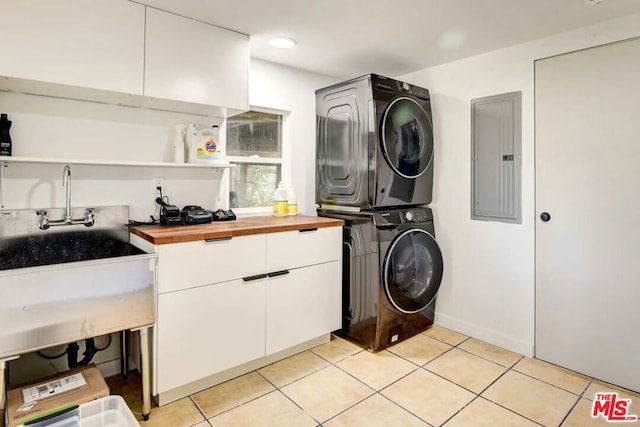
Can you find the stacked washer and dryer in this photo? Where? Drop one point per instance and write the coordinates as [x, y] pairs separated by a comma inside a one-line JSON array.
[[374, 170]]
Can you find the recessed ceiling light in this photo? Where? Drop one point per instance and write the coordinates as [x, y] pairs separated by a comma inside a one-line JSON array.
[[590, 2], [282, 42]]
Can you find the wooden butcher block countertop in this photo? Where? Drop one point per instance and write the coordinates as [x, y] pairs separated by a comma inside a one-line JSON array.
[[160, 234]]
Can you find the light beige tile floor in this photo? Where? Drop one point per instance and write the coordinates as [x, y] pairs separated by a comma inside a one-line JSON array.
[[438, 378]]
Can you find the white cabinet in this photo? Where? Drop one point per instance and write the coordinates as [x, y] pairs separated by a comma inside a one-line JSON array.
[[304, 287], [209, 329], [190, 61], [303, 304], [121, 52], [227, 302], [93, 44]]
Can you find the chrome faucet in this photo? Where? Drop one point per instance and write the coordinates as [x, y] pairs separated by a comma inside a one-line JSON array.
[[88, 221], [66, 181]]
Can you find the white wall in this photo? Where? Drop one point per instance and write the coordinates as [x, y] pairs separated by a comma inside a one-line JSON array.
[[488, 286], [291, 90], [59, 128]]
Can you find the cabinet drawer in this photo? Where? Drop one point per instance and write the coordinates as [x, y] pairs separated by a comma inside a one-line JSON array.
[[292, 249], [190, 264]]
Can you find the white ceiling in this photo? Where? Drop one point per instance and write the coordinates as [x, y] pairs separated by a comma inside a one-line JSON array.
[[348, 38]]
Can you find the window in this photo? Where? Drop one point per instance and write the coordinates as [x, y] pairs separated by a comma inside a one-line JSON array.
[[254, 145]]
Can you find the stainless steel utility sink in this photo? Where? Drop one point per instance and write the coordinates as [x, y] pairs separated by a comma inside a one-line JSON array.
[[57, 248], [71, 283]]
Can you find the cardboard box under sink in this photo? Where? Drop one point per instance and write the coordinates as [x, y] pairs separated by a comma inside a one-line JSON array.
[[53, 394]]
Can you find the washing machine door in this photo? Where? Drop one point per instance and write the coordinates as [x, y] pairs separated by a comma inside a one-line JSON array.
[[407, 137], [412, 270]]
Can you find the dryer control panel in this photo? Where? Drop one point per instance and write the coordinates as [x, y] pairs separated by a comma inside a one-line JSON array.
[[395, 217]]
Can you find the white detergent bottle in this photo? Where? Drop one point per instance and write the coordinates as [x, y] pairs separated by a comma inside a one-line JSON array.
[[209, 149], [178, 143], [204, 146], [280, 203]]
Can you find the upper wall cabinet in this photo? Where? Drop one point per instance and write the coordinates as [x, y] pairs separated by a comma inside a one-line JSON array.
[[190, 61], [96, 44], [124, 53]]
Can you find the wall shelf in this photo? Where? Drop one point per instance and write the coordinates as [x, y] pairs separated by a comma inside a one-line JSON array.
[[41, 160]]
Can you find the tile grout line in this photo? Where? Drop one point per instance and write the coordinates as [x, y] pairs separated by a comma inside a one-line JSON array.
[[493, 361], [367, 385], [529, 376], [548, 383], [403, 408], [428, 361], [477, 396], [346, 409], [569, 411], [235, 407], [279, 389], [204, 417], [416, 367], [498, 404], [276, 388], [580, 397]]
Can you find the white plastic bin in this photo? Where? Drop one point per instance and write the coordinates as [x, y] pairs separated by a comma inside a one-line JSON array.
[[110, 411]]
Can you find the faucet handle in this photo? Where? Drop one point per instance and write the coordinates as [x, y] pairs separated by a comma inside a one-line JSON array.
[[43, 224], [90, 219]]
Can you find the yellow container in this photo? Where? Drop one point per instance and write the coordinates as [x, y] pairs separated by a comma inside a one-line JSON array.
[[280, 208], [280, 202]]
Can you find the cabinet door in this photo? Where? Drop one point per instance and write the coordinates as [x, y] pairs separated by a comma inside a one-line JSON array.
[[187, 60], [206, 330], [302, 305], [97, 44]]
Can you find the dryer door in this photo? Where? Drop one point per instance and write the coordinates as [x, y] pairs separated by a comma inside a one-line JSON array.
[[412, 270], [407, 137]]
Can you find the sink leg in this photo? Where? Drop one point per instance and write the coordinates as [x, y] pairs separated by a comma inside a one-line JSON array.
[[3, 368], [146, 371], [124, 354]]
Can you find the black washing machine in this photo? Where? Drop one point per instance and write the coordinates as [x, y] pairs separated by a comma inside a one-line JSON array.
[[392, 270], [374, 144]]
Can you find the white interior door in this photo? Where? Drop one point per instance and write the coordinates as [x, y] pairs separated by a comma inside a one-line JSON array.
[[588, 181]]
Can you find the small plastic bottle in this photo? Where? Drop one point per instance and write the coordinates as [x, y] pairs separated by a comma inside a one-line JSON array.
[[178, 143], [190, 142], [293, 202], [5, 137], [280, 202]]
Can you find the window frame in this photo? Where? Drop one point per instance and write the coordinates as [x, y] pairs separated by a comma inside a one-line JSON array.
[[283, 161]]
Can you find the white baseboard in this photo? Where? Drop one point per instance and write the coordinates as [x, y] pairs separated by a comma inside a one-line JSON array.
[[488, 335]]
